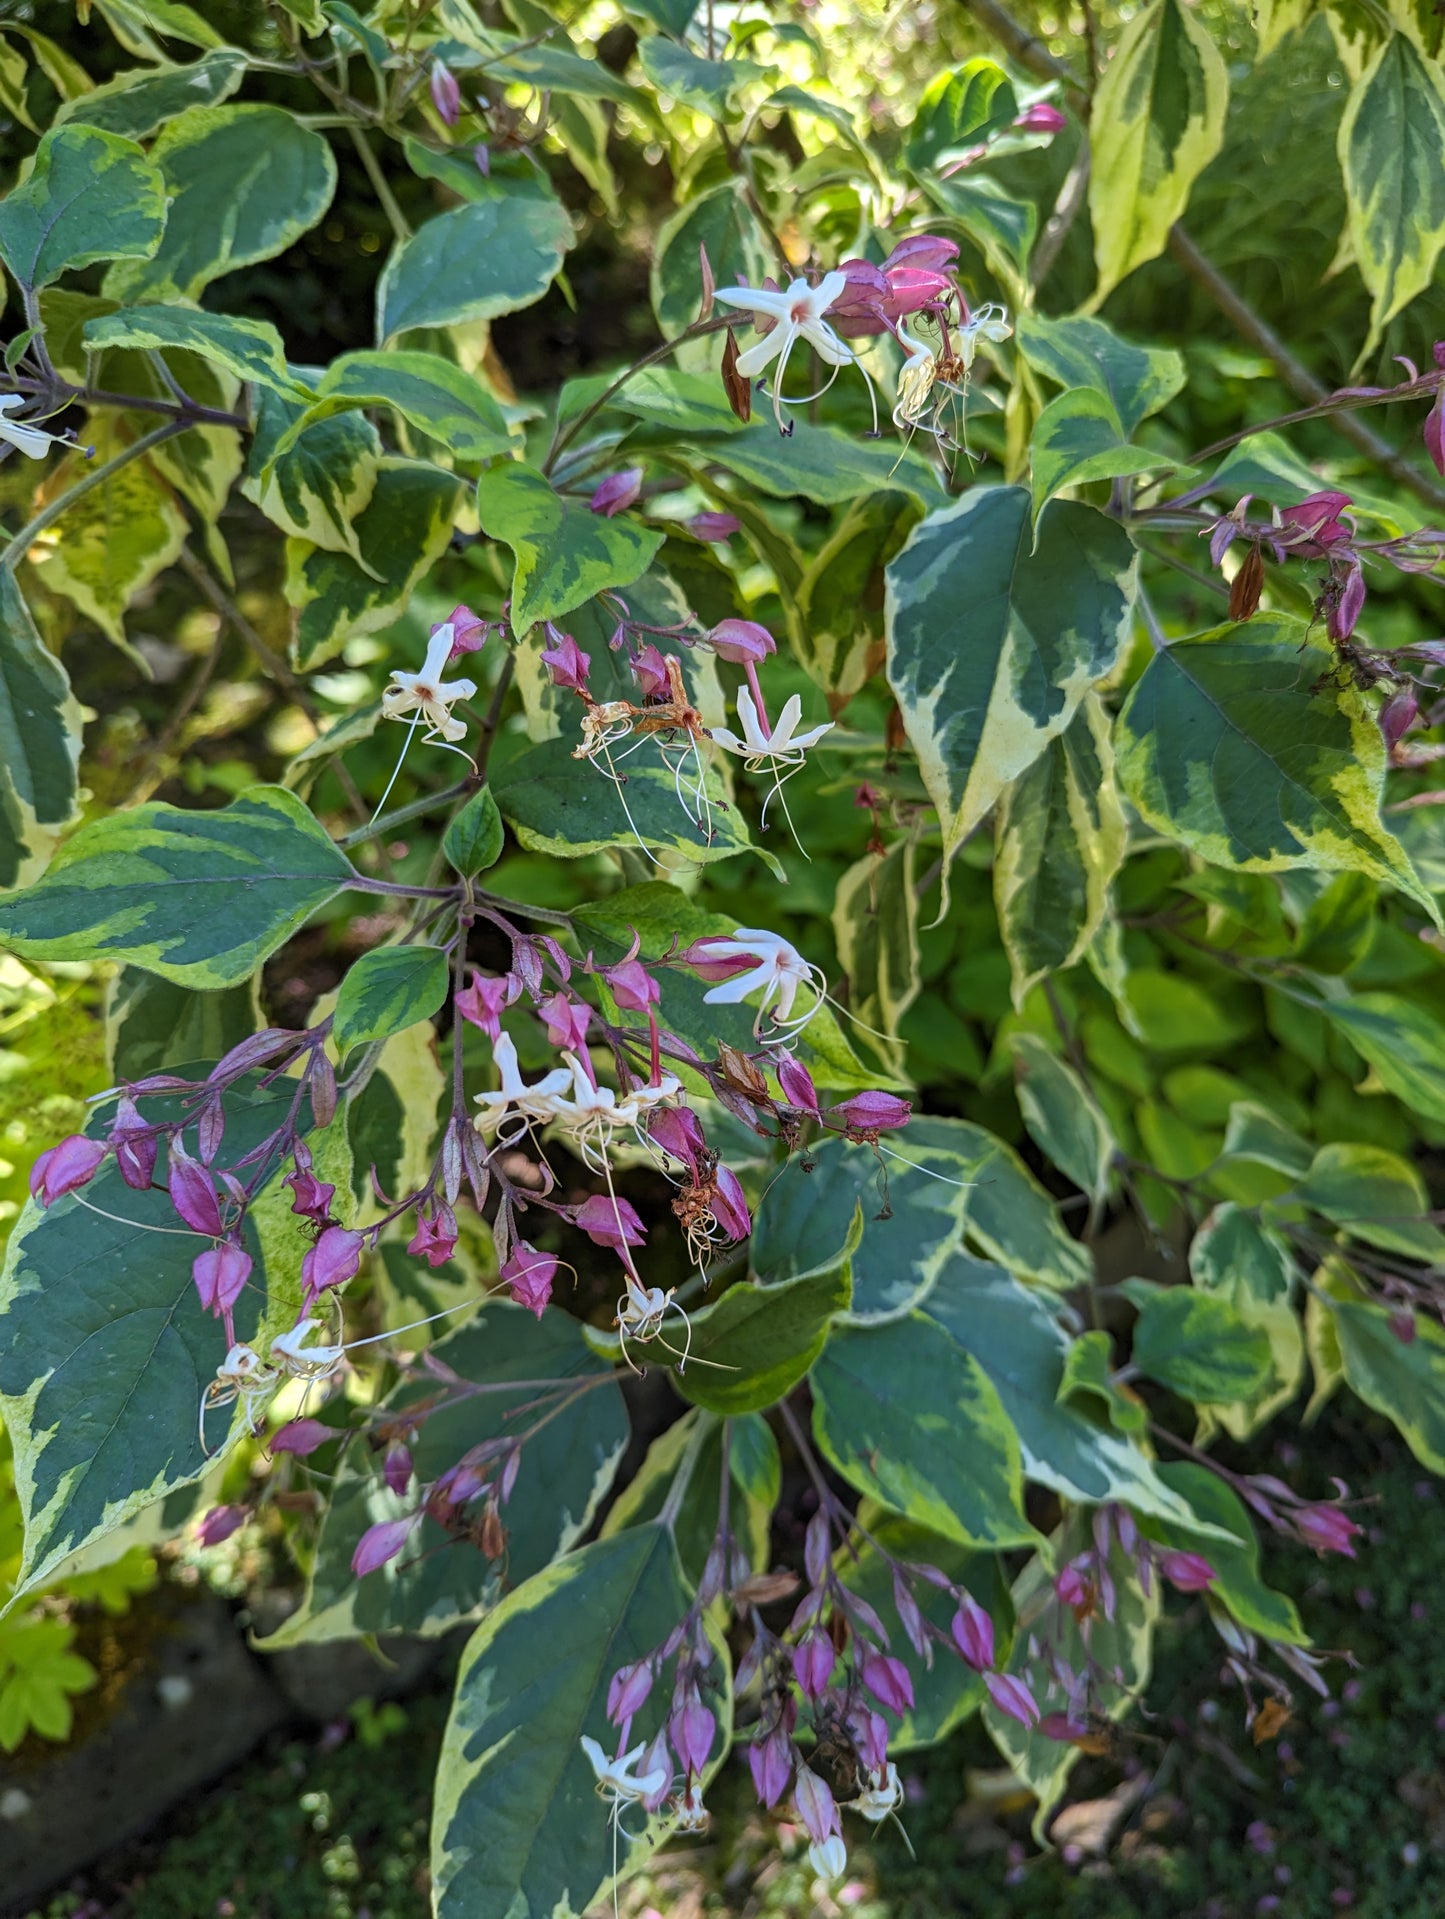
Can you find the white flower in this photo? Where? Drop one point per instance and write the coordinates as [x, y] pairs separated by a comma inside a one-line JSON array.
[[989, 323], [798, 311], [882, 1794], [784, 746], [290, 1352], [537, 1102], [692, 1814], [829, 1859], [614, 1776], [779, 972], [915, 382], [427, 693], [32, 441]]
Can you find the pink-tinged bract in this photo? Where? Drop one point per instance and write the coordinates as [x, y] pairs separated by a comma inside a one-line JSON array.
[[566, 662], [446, 94], [730, 1204], [617, 491], [973, 1633], [1012, 1697], [65, 1167], [1186, 1572], [691, 1730], [742, 642], [1327, 1529], [220, 1274], [334, 1259], [628, 1693], [1435, 433], [301, 1437], [1041, 118], [528, 1275], [797, 1085], [888, 1680], [382, 1542], [713, 526], [193, 1193], [771, 1763], [219, 1524], [813, 1661], [610, 1222]]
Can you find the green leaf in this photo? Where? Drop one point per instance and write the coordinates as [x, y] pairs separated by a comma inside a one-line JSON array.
[[1237, 1582], [489, 257], [89, 196], [1200, 1347], [688, 402], [958, 109], [1060, 838], [431, 394], [1061, 1116], [1117, 1653], [135, 22], [722, 222], [837, 629], [557, 804], [151, 1023], [907, 1415], [1089, 1375], [693, 82], [564, 552], [386, 991], [200, 898], [1377, 1198], [750, 1350], [565, 1472], [1000, 225], [244, 183], [1157, 122], [1257, 1134], [1390, 142], [40, 724], [1078, 438], [318, 487], [1404, 1382], [1233, 744], [400, 536], [251, 349], [1079, 352], [138, 101], [1009, 1216], [695, 1521], [105, 1349], [946, 1692], [816, 462], [1401, 1041], [875, 925], [1248, 1264], [994, 638], [473, 840], [517, 1828], [1014, 1336]]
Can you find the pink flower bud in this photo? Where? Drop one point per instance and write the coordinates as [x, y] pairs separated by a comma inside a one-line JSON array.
[[1058, 1725], [1435, 432], [742, 642], [870, 1735], [657, 1759], [691, 1730], [334, 1259], [797, 1085], [220, 1274], [629, 1690], [397, 1467], [617, 491], [817, 1811], [482, 1001], [729, 1204], [678, 1132], [711, 966], [1398, 715], [910, 1616], [888, 1680], [381, 1542], [633, 987], [610, 1222], [435, 1238], [866, 1115], [1012, 1696], [1186, 1572], [446, 94], [135, 1146], [649, 668], [193, 1194], [713, 526], [301, 1437], [771, 1763], [924, 252], [1402, 1325], [219, 1523], [482, 160], [1041, 118], [311, 1197], [64, 1167], [567, 1021], [469, 633], [973, 1633], [566, 662], [813, 1661], [1347, 603], [528, 1276], [1327, 1529], [1073, 1588]]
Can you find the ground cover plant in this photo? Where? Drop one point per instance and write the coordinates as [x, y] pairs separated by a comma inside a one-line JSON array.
[[790, 951]]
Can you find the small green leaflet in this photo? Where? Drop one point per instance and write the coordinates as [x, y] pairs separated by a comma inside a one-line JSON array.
[[815, 462], [751, 1349], [473, 840], [1079, 438], [1402, 1043], [136, 102], [1078, 353], [1240, 744], [680, 74], [722, 222], [565, 553], [1198, 1345], [429, 393], [1377, 1197], [995, 634], [40, 722], [244, 182], [319, 487], [517, 1827], [1157, 122], [1390, 142], [1248, 1264], [1061, 1116], [1060, 838], [89, 196], [388, 990], [251, 349], [492, 256], [958, 109], [198, 897]]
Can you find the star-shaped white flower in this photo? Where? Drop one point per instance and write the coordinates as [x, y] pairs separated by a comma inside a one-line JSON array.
[[615, 1779], [797, 311], [989, 323], [290, 1352], [539, 1102], [778, 974], [427, 693], [32, 441], [784, 746], [881, 1795]]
